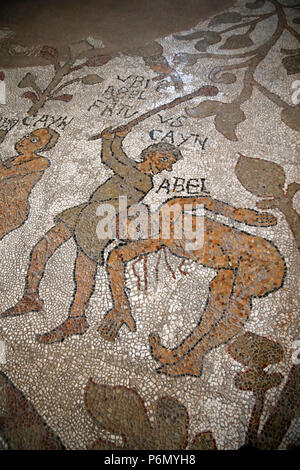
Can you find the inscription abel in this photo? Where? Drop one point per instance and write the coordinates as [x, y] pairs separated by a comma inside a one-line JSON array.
[[178, 184]]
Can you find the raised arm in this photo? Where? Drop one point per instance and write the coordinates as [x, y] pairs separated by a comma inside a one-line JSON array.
[[113, 155]]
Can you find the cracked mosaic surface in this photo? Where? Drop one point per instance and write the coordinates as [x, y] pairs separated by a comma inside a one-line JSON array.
[[118, 343]]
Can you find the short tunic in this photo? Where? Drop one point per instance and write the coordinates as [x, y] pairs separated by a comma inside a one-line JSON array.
[[82, 220]]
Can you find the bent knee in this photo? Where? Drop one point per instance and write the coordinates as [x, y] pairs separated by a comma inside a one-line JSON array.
[[274, 266], [264, 268]]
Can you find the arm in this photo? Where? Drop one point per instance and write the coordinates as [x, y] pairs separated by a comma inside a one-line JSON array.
[[246, 216], [112, 154], [23, 169]]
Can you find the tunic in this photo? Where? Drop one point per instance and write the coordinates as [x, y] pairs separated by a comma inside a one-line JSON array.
[[127, 180]]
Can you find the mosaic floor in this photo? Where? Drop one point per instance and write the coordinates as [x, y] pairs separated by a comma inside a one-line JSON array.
[[150, 237]]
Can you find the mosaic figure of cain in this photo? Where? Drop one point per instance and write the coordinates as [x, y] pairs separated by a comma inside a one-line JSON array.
[[19, 174], [131, 179]]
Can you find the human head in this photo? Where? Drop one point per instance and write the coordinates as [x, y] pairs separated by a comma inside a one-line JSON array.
[[159, 157], [38, 140]]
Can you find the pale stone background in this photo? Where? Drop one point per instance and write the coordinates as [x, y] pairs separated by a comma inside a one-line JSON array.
[[53, 377]]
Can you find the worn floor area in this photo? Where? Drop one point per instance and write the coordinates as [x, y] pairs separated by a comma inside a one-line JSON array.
[[117, 24], [149, 225]]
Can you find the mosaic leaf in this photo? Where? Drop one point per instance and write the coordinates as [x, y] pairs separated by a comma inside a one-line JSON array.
[[227, 119], [20, 424], [227, 116], [204, 441], [190, 36], [27, 81], [252, 380], [172, 429], [291, 117], [209, 38], [260, 177], [202, 45], [204, 109], [91, 79], [65, 98], [283, 413], [237, 41], [255, 351], [267, 179], [217, 76], [225, 18], [292, 64], [119, 410], [31, 96], [98, 60]]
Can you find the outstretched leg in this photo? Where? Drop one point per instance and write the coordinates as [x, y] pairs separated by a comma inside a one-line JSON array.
[[40, 254], [220, 291], [76, 324], [253, 277], [230, 324], [117, 260]]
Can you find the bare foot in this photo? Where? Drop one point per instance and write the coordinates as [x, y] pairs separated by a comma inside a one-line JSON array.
[[264, 219], [72, 326], [113, 321], [28, 303], [186, 366], [160, 352]]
